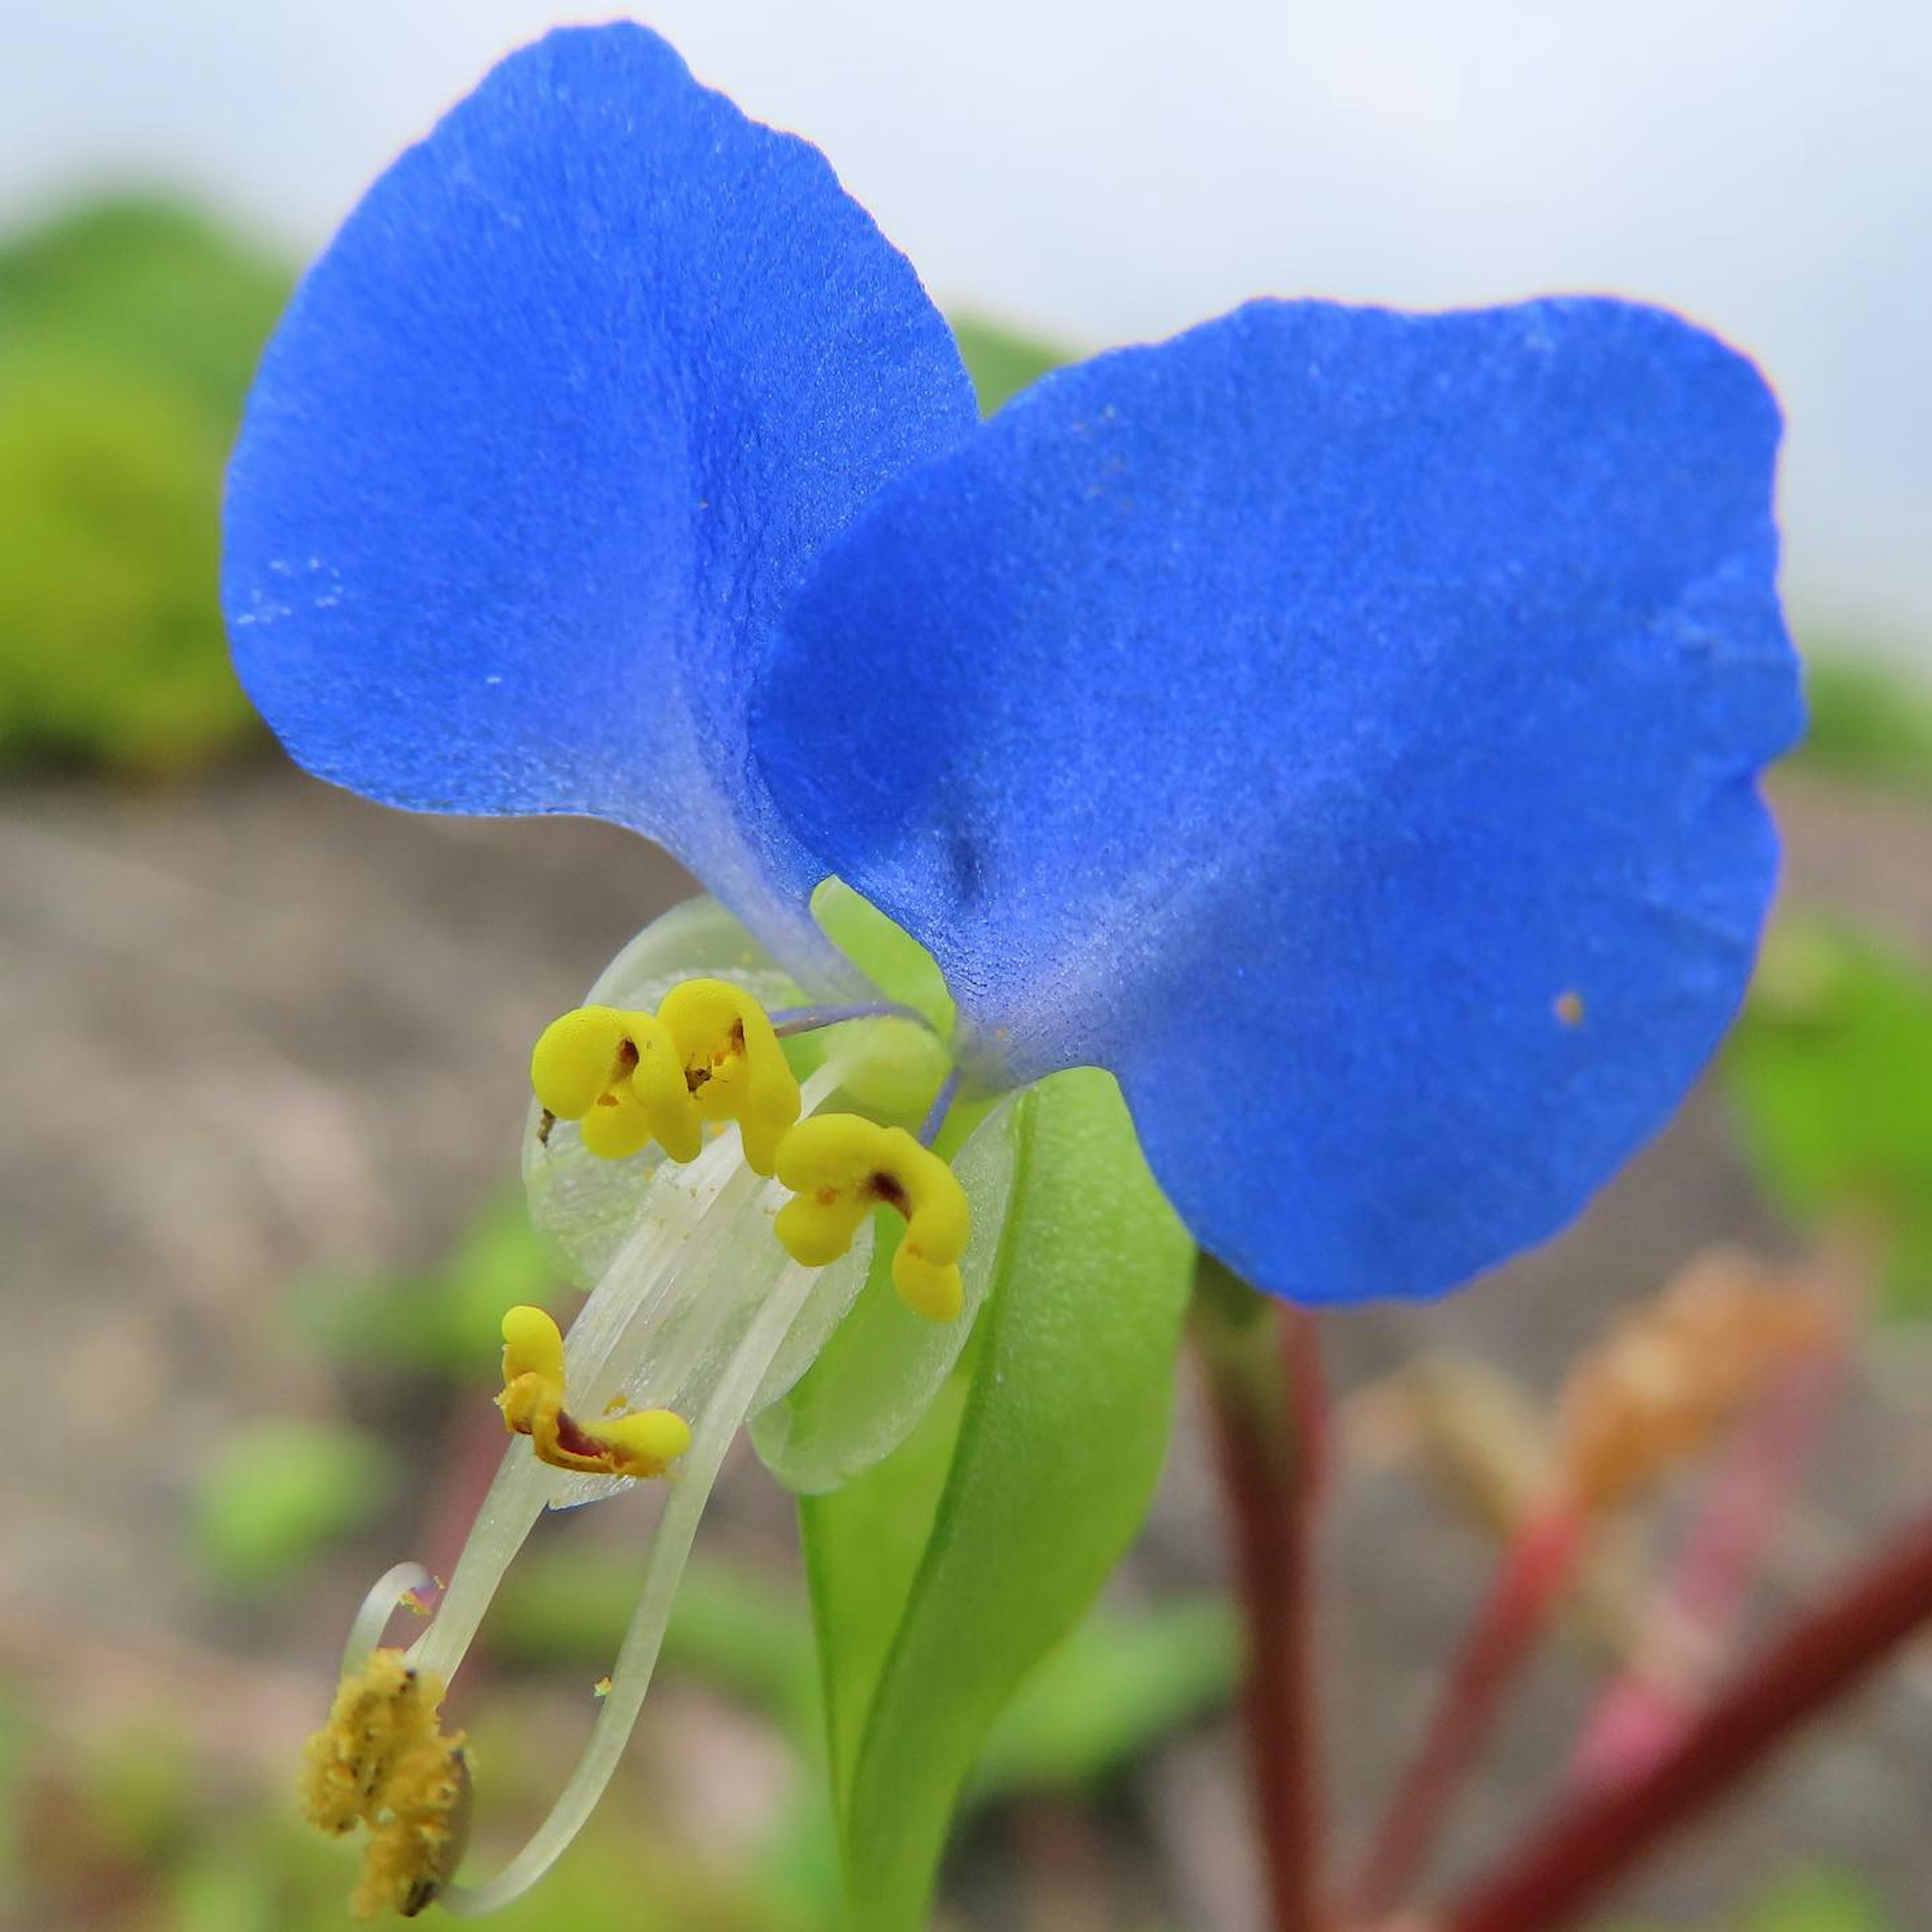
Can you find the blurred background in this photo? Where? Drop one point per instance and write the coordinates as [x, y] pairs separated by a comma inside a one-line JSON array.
[[264, 1044]]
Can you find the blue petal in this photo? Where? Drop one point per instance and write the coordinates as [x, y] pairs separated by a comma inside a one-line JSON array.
[[547, 435], [1343, 725]]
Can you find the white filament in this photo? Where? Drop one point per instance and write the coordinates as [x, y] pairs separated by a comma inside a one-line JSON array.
[[384, 1599], [694, 1213], [729, 1402]]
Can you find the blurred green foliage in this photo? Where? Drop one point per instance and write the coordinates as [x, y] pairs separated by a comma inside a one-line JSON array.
[[1830, 1069], [134, 1832], [128, 332], [1001, 362], [1817, 1900], [1813, 1899], [280, 1491], [446, 1320], [1870, 724], [1114, 1686]]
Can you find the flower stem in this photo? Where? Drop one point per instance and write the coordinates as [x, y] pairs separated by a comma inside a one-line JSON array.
[[1655, 1701], [1530, 1581], [1267, 1398], [1566, 1868]]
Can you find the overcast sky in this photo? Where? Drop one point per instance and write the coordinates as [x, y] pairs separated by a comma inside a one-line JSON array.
[[1110, 171]]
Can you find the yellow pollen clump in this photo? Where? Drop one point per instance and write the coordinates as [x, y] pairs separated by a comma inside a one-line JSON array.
[[382, 1762], [709, 1054], [639, 1444], [841, 1167]]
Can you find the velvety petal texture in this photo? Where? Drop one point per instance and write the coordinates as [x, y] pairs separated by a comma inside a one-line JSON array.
[[1344, 725], [547, 436]]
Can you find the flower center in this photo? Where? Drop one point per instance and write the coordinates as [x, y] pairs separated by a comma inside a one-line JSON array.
[[710, 1054], [696, 1304]]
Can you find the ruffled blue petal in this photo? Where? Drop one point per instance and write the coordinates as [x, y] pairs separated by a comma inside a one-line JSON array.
[[1343, 725], [549, 433]]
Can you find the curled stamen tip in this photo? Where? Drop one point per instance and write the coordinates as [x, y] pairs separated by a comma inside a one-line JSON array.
[[636, 1443], [382, 1761], [578, 1056], [532, 1345], [841, 1167], [642, 1442]]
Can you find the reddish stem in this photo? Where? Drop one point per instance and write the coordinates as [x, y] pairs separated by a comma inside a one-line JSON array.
[[1269, 1404], [1568, 1866], [1529, 1583], [1654, 1702]]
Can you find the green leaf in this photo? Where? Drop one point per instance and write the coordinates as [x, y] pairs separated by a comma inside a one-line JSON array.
[[1002, 361], [1117, 1685], [280, 1492], [941, 1577], [1831, 1072]]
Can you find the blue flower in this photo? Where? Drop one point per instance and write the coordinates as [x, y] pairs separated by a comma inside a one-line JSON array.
[[1343, 725]]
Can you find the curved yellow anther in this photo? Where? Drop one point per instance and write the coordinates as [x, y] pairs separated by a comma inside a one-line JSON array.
[[640, 1443], [381, 1761], [532, 1345], [709, 1053], [840, 1168], [734, 1068], [615, 1072]]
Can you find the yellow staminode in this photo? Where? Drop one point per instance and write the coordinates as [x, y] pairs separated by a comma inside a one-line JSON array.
[[640, 1443], [733, 1065], [619, 1075], [841, 1167], [381, 1761], [708, 1053]]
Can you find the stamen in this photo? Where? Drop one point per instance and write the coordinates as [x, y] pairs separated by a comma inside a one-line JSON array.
[[789, 1021], [680, 1310], [942, 1105], [635, 1443], [734, 1068], [841, 1167], [381, 1761], [672, 1244], [708, 1053], [616, 1074], [731, 1400], [401, 1586]]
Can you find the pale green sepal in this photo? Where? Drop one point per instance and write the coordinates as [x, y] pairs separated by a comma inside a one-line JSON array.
[[1030, 1503], [878, 1373], [888, 956], [585, 1208]]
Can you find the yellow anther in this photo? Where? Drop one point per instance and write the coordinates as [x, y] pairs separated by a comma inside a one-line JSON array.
[[708, 1054], [640, 1443], [532, 1345], [611, 1071], [381, 1761], [734, 1068], [840, 1168]]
